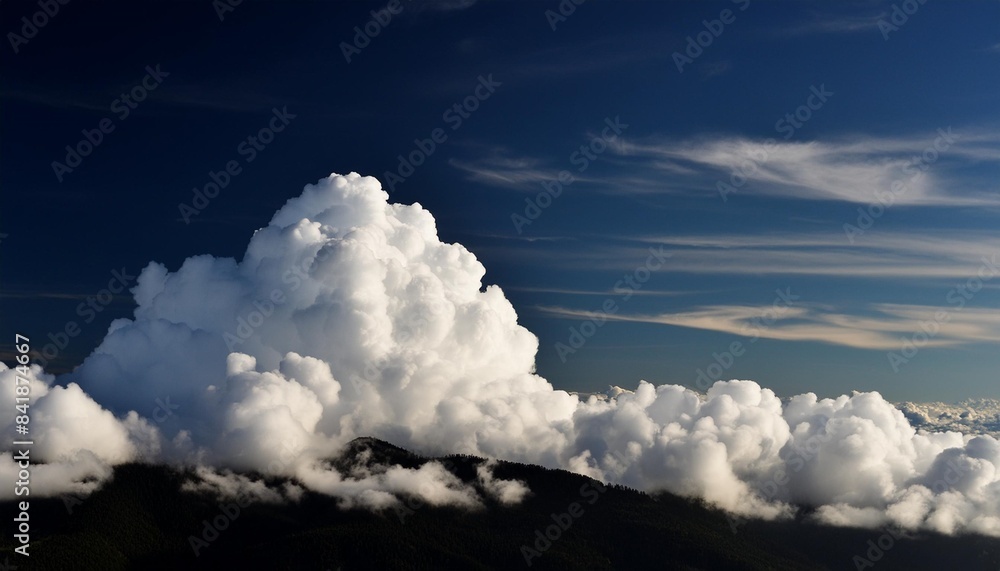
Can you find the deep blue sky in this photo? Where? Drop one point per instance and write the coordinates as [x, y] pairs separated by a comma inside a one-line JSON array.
[[655, 185]]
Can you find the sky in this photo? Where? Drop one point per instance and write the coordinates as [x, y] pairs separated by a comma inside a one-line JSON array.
[[239, 235], [586, 157]]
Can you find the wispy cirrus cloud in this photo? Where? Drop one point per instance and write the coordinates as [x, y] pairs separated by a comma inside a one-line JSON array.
[[886, 255], [221, 95], [499, 167], [929, 166], [878, 328], [505, 171], [835, 24], [597, 292], [715, 69], [420, 7], [57, 295], [931, 257]]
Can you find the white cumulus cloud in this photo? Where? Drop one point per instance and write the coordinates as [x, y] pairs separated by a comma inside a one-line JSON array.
[[347, 316]]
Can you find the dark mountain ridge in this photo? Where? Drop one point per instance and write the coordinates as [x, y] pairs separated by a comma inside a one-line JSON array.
[[143, 520]]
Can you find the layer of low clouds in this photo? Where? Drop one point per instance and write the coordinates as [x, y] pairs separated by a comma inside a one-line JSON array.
[[348, 317]]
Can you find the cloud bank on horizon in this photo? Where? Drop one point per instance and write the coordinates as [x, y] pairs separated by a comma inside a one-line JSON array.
[[348, 317]]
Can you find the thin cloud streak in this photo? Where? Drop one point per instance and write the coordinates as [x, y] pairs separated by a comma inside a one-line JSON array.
[[520, 173], [840, 24], [857, 170], [638, 292], [929, 256], [882, 329]]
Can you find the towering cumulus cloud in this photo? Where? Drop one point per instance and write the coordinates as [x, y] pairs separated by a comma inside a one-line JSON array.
[[348, 317]]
